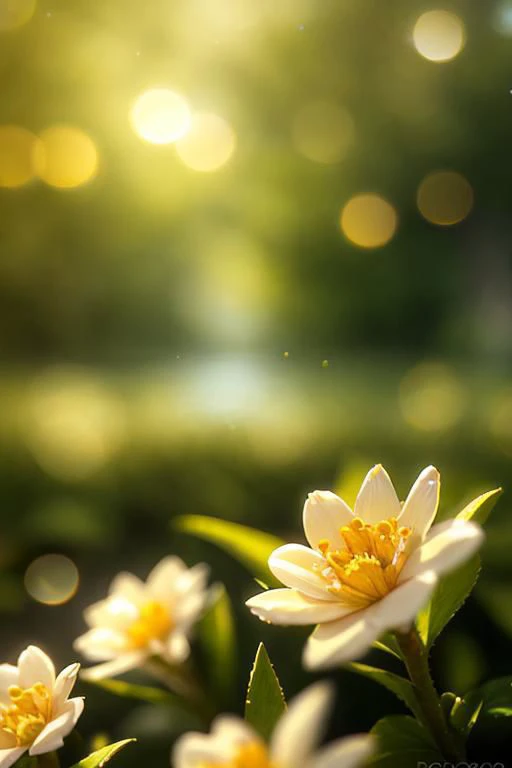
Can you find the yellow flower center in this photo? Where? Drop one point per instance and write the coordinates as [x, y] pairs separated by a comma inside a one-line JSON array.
[[253, 755], [369, 566], [154, 622], [27, 715]]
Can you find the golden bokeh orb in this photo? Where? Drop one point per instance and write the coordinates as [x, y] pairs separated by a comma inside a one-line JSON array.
[[432, 398], [439, 35], [445, 198], [209, 143], [65, 157], [52, 579], [15, 13], [160, 116], [17, 147], [322, 131], [368, 221]]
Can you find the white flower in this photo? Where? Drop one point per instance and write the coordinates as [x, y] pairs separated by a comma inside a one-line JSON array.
[[233, 743], [365, 571], [35, 712], [139, 620]]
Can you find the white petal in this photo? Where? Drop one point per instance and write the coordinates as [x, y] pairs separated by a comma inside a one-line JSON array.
[[9, 756], [196, 749], [346, 753], [377, 499], [420, 507], [299, 567], [301, 727], [189, 608], [36, 667], [162, 578], [340, 641], [324, 514], [233, 731], [116, 612], [9, 675], [52, 736], [192, 580], [63, 686], [123, 663], [447, 545], [288, 606], [177, 648], [401, 606], [128, 586], [100, 644]]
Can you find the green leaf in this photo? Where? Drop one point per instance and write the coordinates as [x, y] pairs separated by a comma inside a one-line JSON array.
[[218, 640], [403, 742], [144, 693], [480, 508], [265, 702], [388, 644], [102, 756], [249, 546], [394, 683], [494, 697], [448, 597], [464, 714]]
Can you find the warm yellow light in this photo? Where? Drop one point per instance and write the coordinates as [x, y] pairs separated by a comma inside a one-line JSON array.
[[15, 13], [17, 146], [368, 221], [322, 131], [431, 397], [445, 198], [74, 424], [52, 579], [160, 116], [65, 157], [208, 145], [500, 420], [439, 35]]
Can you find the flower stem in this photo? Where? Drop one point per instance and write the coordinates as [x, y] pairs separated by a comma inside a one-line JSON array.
[[416, 660], [181, 680], [48, 760]]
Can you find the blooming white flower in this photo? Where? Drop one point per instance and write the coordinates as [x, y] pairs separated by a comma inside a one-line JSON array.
[[142, 619], [35, 712], [365, 571], [233, 743]]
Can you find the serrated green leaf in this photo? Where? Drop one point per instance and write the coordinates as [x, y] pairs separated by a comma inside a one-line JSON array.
[[249, 546], [218, 640], [397, 684], [102, 756], [494, 698], [480, 508], [265, 702], [450, 594], [388, 644], [402, 741], [144, 693]]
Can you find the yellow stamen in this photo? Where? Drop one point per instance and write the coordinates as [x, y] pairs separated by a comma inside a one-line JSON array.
[[27, 715], [252, 755], [153, 623], [369, 566]]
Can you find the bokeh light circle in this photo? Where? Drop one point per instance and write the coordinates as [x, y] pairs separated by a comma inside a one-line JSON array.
[[65, 157], [160, 116], [368, 221], [439, 35], [15, 13], [445, 198], [432, 398], [322, 131], [52, 579], [209, 143], [17, 147]]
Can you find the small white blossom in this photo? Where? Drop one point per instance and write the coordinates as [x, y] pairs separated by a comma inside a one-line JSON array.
[[366, 571], [36, 714], [233, 743], [139, 619]]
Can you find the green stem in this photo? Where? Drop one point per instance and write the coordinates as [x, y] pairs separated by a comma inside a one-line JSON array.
[[416, 660], [48, 760], [182, 681]]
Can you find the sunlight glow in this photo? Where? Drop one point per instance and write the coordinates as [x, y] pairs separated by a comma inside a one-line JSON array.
[[439, 35], [65, 157], [368, 221], [17, 147], [445, 198], [15, 13], [160, 116], [432, 398], [52, 579], [208, 145]]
